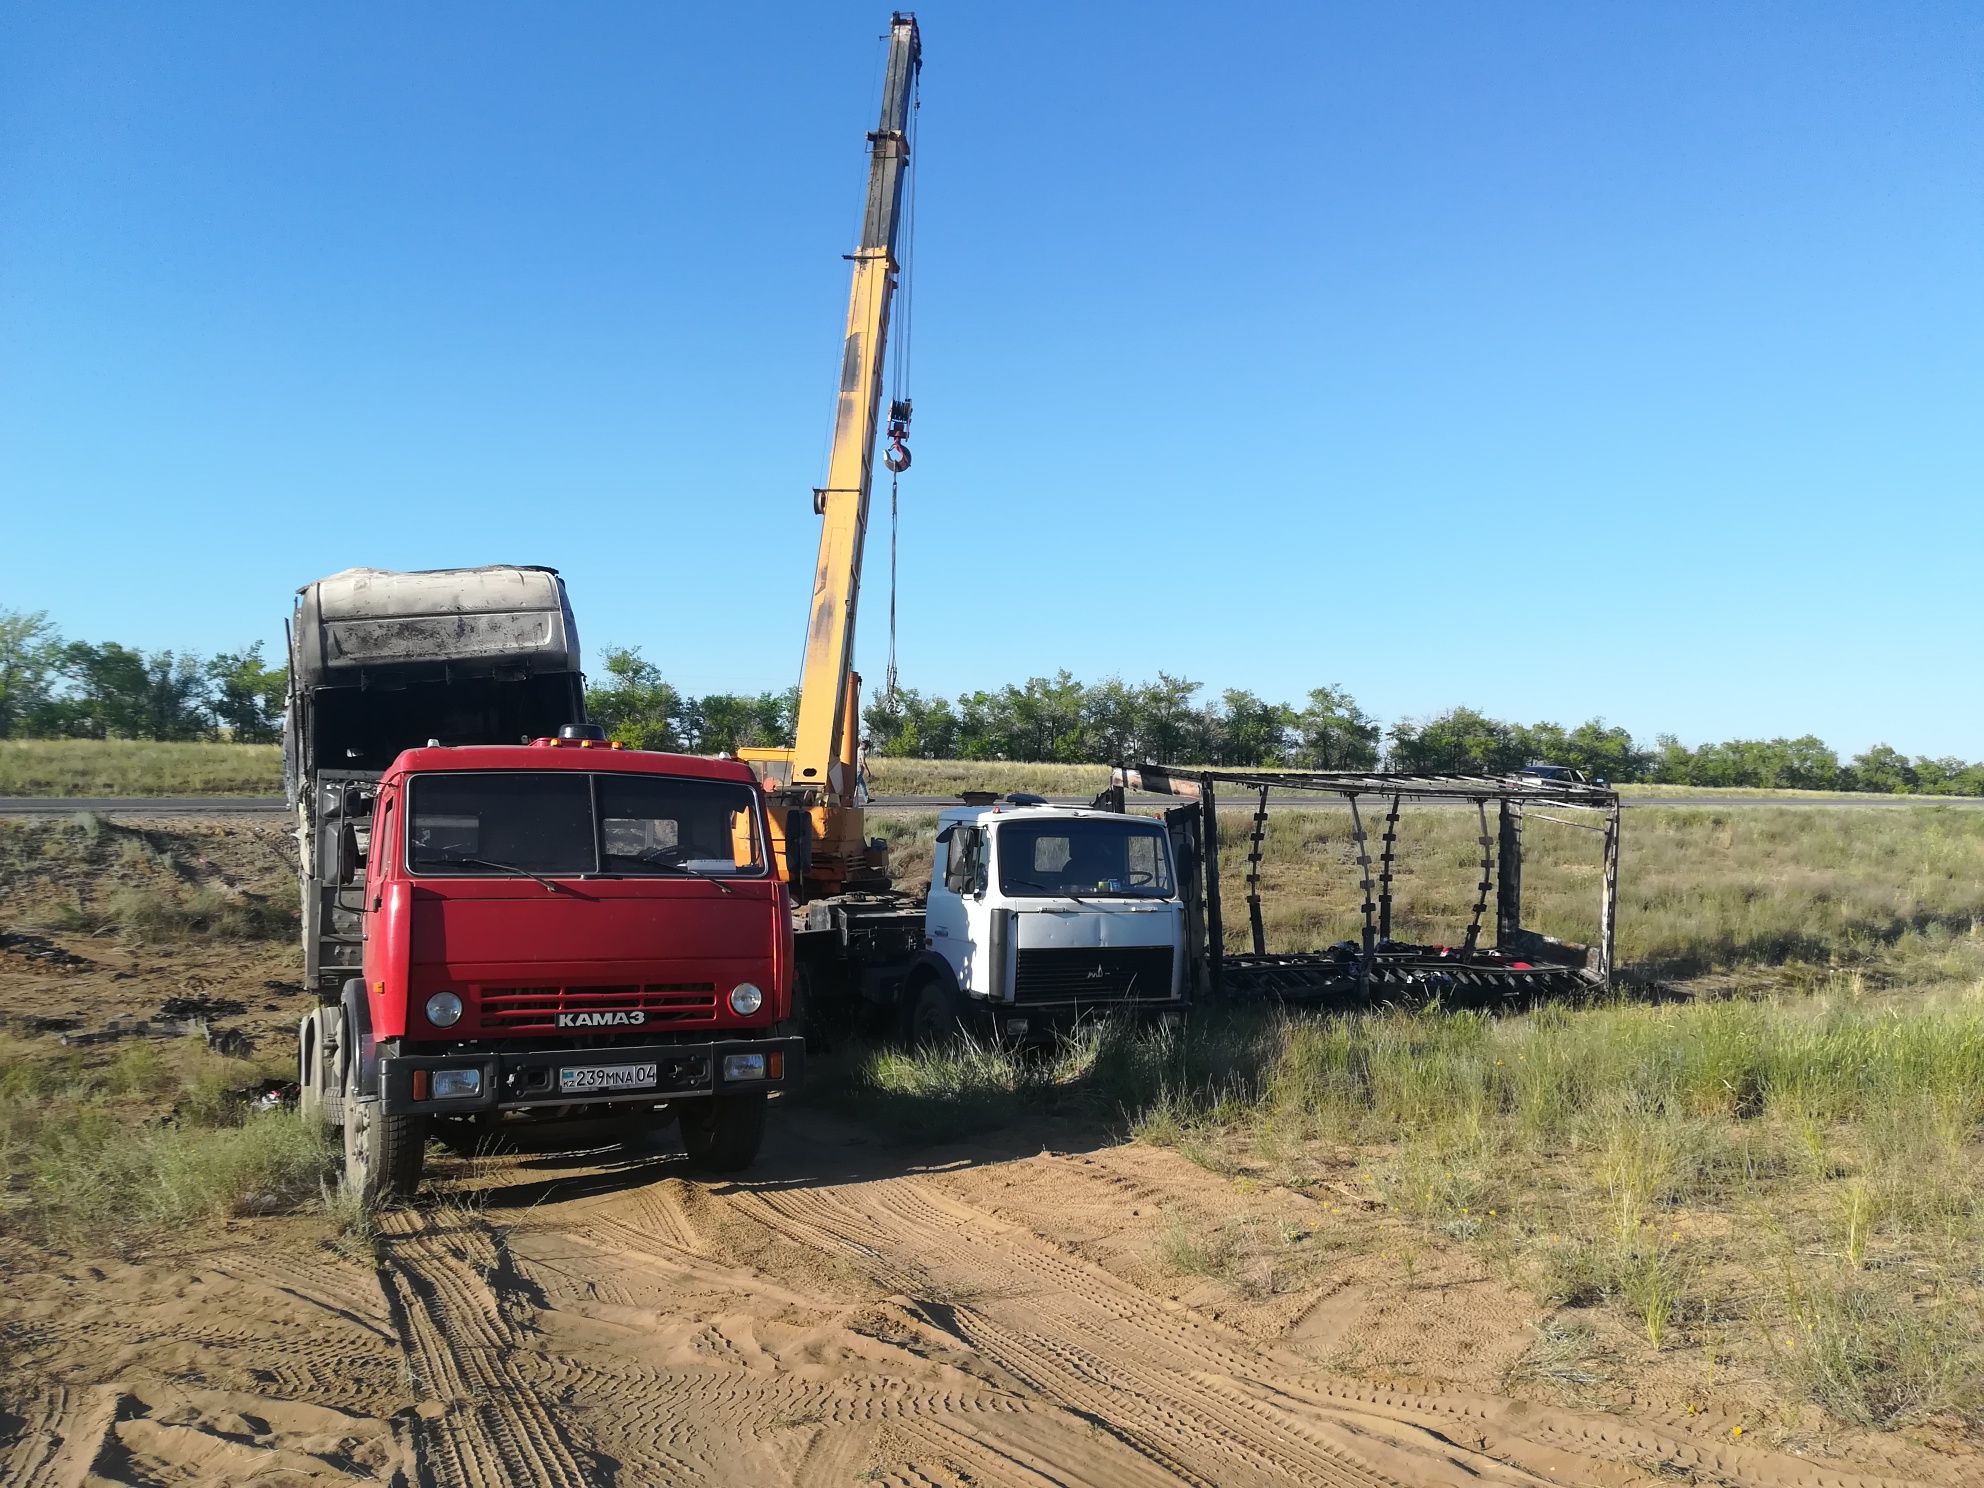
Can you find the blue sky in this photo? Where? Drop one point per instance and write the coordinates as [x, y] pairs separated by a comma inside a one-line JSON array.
[[1619, 360]]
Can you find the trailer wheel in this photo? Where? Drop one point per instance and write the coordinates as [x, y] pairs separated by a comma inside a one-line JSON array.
[[723, 1134], [383, 1154]]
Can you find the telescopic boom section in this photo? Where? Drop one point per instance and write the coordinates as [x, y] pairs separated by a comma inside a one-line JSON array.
[[827, 701]]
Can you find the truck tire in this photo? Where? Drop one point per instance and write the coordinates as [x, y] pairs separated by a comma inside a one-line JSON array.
[[723, 1134], [933, 1013], [383, 1155]]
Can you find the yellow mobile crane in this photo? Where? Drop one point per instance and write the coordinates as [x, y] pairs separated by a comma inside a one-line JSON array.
[[998, 950], [823, 848]]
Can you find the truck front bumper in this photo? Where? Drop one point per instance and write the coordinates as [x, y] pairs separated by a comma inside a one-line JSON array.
[[522, 1079], [1037, 1022]]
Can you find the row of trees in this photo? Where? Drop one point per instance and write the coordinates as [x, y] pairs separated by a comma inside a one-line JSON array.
[[1060, 718], [51, 687], [639, 707]]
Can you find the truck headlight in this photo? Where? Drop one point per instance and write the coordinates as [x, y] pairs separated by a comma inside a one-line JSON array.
[[444, 1009], [746, 999], [454, 1084], [743, 1067]]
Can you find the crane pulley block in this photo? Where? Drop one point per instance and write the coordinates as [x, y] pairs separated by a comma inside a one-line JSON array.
[[896, 457]]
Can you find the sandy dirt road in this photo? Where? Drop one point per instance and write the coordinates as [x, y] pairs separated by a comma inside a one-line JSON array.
[[847, 1314]]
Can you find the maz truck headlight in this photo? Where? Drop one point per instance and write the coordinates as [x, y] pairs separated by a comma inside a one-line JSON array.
[[745, 999], [444, 1009], [743, 1066], [453, 1084]]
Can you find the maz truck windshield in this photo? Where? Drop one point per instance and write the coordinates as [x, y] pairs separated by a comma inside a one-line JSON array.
[[1059, 859], [571, 824]]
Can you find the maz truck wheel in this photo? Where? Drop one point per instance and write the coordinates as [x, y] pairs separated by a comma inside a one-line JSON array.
[[383, 1155], [723, 1134], [934, 1016]]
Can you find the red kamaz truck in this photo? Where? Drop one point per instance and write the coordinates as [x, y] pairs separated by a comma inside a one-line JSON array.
[[551, 928]]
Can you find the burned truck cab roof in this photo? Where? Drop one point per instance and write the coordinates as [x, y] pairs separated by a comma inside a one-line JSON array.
[[367, 626]]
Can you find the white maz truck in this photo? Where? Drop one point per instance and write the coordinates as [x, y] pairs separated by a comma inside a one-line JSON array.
[[1040, 915]]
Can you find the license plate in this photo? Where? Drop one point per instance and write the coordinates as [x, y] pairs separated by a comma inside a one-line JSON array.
[[587, 1077]]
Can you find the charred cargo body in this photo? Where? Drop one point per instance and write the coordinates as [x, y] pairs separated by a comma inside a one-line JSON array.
[[381, 662]]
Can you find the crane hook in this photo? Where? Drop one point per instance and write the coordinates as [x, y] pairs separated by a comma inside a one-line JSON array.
[[896, 457]]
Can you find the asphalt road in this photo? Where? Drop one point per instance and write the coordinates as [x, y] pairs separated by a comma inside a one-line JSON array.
[[273, 805]]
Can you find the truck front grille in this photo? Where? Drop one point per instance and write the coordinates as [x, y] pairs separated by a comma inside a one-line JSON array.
[[537, 1009], [1092, 974]]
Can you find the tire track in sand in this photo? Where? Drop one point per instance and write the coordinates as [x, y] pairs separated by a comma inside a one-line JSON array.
[[1066, 1330], [920, 1328], [470, 1359], [801, 1389], [1198, 1400]]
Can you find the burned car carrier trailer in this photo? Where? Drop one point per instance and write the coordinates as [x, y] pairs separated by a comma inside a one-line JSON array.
[[1486, 963]]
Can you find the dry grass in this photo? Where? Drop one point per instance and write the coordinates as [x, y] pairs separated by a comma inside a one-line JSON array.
[[1805, 1176], [127, 1149], [91, 876], [916, 777], [133, 767]]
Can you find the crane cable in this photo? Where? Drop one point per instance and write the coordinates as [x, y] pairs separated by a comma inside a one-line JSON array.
[[896, 457]]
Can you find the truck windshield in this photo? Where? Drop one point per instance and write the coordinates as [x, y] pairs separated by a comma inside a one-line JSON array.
[[497, 824], [1086, 858]]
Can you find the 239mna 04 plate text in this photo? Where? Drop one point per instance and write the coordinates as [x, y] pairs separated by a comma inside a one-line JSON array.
[[607, 1077]]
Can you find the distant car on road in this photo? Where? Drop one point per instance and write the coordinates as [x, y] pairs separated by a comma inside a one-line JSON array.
[[1558, 774]]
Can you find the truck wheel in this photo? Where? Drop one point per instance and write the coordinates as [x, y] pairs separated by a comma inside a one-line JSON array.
[[383, 1154], [723, 1134], [935, 1014]]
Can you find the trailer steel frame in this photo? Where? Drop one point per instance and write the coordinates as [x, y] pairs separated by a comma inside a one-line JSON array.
[[1521, 962]]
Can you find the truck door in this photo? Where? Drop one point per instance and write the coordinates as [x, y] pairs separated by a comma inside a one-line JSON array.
[[1184, 825]]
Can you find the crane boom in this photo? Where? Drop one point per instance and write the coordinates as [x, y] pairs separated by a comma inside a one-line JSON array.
[[819, 826], [819, 756]]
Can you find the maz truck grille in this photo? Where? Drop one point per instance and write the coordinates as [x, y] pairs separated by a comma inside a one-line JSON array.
[[529, 1009], [1093, 974]]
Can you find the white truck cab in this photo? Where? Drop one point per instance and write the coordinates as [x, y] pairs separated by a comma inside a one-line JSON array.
[[1039, 914]]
